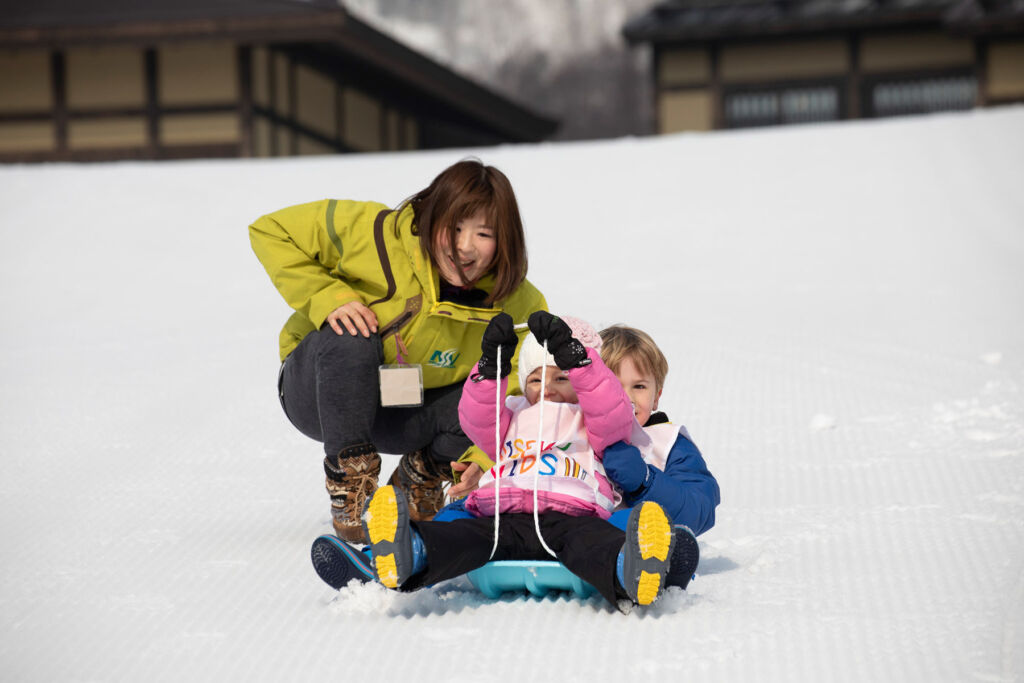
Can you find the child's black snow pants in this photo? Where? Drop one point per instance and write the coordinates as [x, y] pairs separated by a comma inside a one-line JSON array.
[[587, 546]]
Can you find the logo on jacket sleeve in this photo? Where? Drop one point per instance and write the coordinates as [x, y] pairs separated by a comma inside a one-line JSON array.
[[444, 359]]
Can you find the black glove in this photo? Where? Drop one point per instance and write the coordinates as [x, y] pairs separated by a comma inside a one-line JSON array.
[[568, 351], [500, 333]]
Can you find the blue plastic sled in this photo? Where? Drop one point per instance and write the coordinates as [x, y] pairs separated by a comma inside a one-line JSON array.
[[536, 577]]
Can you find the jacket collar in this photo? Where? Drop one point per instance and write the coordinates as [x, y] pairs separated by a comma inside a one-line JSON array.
[[656, 419]]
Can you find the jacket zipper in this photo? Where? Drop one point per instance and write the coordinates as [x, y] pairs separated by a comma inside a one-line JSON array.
[[437, 305], [395, 324]]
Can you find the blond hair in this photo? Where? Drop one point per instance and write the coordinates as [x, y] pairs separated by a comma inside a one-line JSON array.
[[620, 341]]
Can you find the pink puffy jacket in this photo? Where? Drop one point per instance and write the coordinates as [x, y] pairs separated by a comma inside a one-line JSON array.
[[566, 470]]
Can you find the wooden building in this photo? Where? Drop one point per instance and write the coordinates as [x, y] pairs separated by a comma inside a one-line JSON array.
[[156, 79], [737, 63]]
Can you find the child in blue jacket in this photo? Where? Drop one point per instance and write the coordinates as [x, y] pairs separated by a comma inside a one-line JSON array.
[[664, 466]]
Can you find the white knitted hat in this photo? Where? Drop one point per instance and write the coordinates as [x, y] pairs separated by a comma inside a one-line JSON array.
[[531, 353]]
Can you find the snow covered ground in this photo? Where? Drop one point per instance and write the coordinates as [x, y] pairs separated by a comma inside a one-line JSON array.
[[843, 310]]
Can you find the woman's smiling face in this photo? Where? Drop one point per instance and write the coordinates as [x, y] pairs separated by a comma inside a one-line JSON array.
[[475, 246]]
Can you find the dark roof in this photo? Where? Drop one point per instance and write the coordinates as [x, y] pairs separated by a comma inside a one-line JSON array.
[[986, 17], [680, 21], [321, 25], [67, 21]]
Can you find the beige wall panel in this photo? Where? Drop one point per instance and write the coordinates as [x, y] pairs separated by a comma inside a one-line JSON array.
[[263, 132], [412, 133], [122, 131], [284, 141], [32, 136], [685, 110], [25, 80], [311, 146], [281, 83], [317, 101], [914, 51], [362, 120], [681, 66], [260, 71], [197, 73], [771, 61], [100, 77], [199, 129], [394, 129], [1005, 70]]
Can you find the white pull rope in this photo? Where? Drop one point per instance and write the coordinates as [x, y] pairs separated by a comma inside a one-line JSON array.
[[497, 453], [540, 451]]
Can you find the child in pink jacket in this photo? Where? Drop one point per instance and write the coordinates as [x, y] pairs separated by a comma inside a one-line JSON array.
[[566, 470], [550, 452]]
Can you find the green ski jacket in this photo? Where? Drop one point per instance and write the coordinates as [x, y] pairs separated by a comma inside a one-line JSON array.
[[325, 254]]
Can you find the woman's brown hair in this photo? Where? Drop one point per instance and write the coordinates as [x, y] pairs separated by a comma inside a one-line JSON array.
[[460, 192]]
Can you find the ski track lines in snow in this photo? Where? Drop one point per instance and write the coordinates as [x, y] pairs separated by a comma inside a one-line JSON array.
[[893, 502], [845, 347]]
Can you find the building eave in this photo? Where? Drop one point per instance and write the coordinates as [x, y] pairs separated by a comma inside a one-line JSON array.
[[781, 25], [702, 21], [429, 79], [60, 24]]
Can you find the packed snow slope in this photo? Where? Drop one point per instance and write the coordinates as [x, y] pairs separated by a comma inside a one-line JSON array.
[[843, 310]]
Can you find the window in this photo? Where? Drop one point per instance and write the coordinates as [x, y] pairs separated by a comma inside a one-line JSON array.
[[923, 95], [803, 104]]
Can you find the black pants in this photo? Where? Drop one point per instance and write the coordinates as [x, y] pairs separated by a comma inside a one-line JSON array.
[[330, 390], [587, 546]]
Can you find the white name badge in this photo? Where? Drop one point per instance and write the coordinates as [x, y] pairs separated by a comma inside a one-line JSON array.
[[401, 386]]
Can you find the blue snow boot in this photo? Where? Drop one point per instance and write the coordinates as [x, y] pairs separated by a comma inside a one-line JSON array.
[[398, 551], [685, 557], [644, 559], [337, 562]]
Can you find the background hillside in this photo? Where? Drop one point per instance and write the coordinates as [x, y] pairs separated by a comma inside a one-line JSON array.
[[565, 58]]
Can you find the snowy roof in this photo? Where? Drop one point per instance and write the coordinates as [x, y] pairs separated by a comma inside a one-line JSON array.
[[697, 20]]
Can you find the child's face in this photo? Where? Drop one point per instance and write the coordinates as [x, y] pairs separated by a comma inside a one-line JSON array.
[[557, 388], [640, 387]]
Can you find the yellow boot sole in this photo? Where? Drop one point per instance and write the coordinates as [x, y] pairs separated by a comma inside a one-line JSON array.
[[654, 533], [381, 527], [648, 588], [654, 542], [387, 570], [382, 515]]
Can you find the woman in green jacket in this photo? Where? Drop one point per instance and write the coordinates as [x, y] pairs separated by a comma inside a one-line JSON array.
[[414, 288]]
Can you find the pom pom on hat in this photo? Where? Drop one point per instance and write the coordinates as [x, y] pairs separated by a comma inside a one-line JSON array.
[[531, 353], [583, 331]]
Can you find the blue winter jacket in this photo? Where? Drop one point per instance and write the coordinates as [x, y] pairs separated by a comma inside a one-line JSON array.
[[686, 489]]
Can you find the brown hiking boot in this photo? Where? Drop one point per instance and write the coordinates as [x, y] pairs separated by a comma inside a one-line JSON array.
[[422, 479], [351, 480]]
